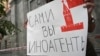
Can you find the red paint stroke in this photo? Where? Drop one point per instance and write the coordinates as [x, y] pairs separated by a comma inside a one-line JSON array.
[[74, 3]]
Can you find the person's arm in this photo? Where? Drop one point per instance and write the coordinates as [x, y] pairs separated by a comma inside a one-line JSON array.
[[91, 21], [90, 51]]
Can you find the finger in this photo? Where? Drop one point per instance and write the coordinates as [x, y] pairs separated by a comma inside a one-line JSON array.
[[90, 10], [90, 4]]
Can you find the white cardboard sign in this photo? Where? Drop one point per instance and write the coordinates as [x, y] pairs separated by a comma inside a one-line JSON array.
[[58, 28]]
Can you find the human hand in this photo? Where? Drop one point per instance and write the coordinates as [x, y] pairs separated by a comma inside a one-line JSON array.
[[89, 5], [25, 23], [91, 21]]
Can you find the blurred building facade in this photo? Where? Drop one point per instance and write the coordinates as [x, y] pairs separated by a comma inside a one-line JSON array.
[[17, 15]]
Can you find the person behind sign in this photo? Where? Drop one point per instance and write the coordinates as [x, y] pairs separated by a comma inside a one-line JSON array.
[[90, 51]]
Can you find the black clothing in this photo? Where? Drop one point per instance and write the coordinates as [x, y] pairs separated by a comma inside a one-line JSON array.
[[90, 51]]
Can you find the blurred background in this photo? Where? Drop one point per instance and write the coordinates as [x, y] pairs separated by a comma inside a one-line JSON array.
[[12, 25]]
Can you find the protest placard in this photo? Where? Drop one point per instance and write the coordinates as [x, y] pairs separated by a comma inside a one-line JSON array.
[[58, 28]]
